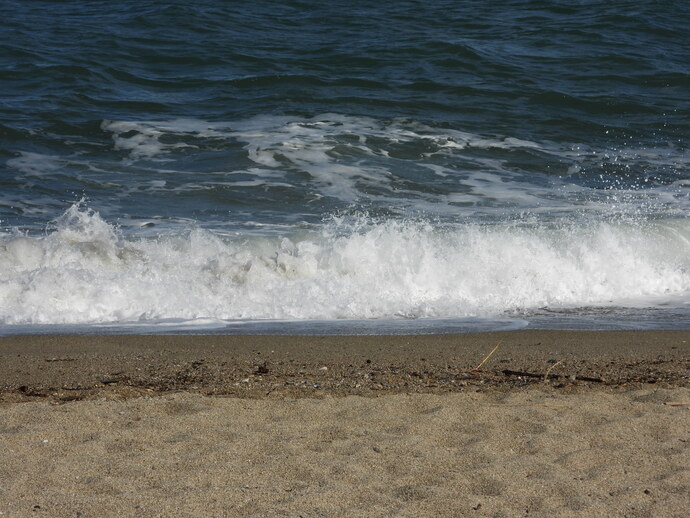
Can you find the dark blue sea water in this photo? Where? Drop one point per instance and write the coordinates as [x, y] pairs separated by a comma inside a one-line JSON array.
[[343, 167]]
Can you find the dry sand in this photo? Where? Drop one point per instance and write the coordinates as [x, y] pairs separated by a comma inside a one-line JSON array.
[[553, 424]]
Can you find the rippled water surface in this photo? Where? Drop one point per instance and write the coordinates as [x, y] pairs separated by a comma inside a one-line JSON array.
[[343, 166]]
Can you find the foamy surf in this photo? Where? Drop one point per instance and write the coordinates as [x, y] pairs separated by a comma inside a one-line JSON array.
[[84, 271]]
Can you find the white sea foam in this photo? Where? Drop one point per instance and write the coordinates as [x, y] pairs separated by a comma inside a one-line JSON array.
[[35, 164], [549, 241], [84, 271], [141, 140], [406, 164]]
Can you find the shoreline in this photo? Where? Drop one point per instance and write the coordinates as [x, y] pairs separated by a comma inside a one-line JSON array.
[[73, 367]]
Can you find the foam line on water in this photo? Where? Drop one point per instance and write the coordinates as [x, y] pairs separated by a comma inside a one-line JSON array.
[[401, 162]]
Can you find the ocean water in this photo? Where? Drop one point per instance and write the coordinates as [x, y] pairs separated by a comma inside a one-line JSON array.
[[343, 167]]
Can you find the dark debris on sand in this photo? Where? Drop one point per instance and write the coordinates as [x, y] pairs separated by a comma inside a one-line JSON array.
[[73, 368]]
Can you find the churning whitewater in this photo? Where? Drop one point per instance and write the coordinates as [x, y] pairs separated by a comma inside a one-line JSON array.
[[85, 271]]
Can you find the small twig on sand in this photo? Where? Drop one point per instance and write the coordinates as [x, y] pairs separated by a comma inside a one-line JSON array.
[[476, 369], [548, 371], [677, 403]]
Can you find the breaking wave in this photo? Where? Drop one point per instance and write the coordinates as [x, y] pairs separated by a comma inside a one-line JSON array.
[[83, 270]]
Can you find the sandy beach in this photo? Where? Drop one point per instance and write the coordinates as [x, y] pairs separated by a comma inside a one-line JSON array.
[[553, 423]]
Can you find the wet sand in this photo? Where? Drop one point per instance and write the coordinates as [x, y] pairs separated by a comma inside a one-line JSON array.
[[553, 423]]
